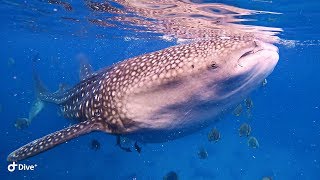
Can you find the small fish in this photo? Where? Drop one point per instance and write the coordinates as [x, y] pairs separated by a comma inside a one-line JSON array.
[[202, 153], [137, 147], [249, 103], [244, 130], [264, 83], [214, 135], [171, 176], [95, 145], [253, 142], [238, 110]]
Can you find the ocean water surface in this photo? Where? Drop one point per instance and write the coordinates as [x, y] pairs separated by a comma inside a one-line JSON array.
[[49, 35]]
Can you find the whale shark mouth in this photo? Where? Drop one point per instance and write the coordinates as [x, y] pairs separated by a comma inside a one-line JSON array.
[[262, 52]]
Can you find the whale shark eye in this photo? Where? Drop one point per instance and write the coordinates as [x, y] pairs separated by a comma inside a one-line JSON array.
[[213, 65]]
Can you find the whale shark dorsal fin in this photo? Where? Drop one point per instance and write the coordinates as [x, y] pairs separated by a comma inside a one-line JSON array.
[[86, 69], [49, 141], [62, 88]]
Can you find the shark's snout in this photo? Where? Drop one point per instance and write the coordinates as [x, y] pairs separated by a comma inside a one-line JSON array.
[[266, 46], [261, 53]]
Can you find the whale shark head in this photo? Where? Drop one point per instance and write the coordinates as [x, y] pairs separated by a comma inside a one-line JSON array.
[[208, 78], [242, 66], [260, 57]]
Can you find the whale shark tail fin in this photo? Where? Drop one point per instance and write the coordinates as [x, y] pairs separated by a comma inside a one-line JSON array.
[[41, 92], [38, 85], [49, 141], [86, 69]]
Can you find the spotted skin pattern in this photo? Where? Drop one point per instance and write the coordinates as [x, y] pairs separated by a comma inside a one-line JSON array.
[[52, 140], [99, 101]]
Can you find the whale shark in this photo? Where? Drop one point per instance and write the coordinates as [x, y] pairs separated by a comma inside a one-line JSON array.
[[162, 95]]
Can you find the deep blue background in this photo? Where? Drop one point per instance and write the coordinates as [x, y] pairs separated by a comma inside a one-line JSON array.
[[285, 117]]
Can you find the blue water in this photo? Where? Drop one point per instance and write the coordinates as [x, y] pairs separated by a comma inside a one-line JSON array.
[[285, 117]]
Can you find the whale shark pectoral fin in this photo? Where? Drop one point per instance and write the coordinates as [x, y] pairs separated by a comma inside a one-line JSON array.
[[49, 141]]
